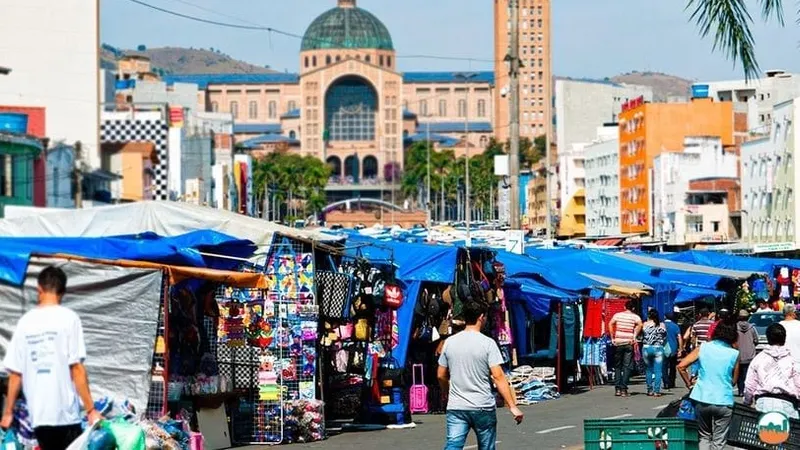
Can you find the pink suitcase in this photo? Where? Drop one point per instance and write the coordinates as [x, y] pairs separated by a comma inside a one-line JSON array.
[[419, 392]]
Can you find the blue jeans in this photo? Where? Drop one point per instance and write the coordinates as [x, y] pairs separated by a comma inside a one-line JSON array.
[[484, 422], [654, 359]]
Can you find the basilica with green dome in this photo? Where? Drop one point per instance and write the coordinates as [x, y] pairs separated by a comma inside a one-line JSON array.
[[350, 105]]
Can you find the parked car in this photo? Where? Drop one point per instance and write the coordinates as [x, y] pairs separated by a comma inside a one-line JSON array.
[[761, 320]]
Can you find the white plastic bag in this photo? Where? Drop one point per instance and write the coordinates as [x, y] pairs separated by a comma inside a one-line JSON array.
[[82, 441]]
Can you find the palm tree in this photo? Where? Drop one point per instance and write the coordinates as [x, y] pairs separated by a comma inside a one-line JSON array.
[[729, 21]]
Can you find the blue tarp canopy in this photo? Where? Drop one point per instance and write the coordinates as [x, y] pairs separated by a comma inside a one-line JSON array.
[[688, 294], [725, 261], [183, 250], [574, 261]]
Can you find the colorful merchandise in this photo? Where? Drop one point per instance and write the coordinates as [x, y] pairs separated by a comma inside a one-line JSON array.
[[303, 421]]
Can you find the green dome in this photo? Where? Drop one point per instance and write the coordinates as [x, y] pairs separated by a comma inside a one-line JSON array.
[[347, 27]]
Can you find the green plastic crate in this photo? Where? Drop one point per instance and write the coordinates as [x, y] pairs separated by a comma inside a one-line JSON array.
[[640, 434]]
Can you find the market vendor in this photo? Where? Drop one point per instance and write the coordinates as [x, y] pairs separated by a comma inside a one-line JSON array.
[[45, 360]]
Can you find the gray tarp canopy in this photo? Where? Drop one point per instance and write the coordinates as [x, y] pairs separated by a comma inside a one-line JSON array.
[[118, 307], [686, 267], [163, 218]]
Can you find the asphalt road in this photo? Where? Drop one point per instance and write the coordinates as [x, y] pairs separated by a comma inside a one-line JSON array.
[[557, 424]]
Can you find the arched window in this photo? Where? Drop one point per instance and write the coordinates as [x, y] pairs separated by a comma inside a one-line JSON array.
[[368, 58], [442, 108], [351, 168], [388, 61], [314, 61], [380, 60], [481, 108], [484, 142], [423, 107], [358, 57], [292, 105], [292, 135], [306, 62], [462, 108], [328, 59], [336, 166], [272, 109], [338, 58], [370, 169], [351, 105]]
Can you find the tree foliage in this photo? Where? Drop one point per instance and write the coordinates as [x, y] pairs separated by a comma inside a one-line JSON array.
[[729, 21], [285, 174], [448, 173]]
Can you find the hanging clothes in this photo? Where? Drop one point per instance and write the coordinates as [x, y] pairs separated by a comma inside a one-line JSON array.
[[594, 352], [593, 327]]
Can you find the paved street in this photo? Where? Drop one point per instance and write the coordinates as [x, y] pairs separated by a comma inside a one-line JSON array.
[[556, 424]]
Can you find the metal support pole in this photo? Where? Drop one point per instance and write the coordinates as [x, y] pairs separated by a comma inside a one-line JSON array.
[[548, 124], [467, 207], [428, 202], [513, 162]]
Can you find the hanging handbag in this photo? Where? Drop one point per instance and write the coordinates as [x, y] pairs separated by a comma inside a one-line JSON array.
[[393, 296], [361, 330], [334, 291]]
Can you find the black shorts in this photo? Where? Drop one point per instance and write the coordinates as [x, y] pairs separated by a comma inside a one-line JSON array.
[[57, 438]]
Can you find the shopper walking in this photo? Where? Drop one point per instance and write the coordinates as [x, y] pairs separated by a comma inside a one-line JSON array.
[[653, 341], [672, 351], [747, 343], [698, 334], [44, 360], [624, 327], [792, 326], [773, 380], [718, 370], [469, 362]]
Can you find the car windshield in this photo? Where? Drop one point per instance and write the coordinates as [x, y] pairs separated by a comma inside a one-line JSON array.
[[765, 320]]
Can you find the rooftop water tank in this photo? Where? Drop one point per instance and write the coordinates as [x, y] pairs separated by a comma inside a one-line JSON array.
[[13, 123]]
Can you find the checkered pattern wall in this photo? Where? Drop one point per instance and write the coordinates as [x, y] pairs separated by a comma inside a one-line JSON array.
[[155, 131]]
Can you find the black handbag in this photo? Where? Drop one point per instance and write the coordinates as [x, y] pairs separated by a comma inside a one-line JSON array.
[[334, 291]]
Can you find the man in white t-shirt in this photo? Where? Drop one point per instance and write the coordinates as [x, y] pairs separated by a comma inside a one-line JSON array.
[[45, 361], [792, 326]]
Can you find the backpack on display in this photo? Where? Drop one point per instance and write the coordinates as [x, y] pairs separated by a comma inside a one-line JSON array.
[[418, 394]]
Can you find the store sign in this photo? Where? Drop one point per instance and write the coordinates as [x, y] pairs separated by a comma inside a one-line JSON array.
[[632, 104], [515, 241], [176, 117], [773, 428], [700, 91], [774, 247]]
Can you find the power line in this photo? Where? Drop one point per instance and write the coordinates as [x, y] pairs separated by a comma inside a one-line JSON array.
[[256, 27]]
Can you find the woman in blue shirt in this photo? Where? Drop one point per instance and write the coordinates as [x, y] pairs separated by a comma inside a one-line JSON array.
[[712, 391]]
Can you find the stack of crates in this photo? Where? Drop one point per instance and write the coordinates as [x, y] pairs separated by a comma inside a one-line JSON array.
[[640, 434]]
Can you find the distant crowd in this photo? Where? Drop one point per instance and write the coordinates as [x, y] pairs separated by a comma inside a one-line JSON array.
[[717, 357]]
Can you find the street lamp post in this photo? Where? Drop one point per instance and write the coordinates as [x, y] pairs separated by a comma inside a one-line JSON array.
[[467, 208]]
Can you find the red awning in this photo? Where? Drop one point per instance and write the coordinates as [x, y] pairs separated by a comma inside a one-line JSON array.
[[609, 242]]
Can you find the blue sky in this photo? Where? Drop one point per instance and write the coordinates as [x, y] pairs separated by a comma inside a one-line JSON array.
[[593, 38]]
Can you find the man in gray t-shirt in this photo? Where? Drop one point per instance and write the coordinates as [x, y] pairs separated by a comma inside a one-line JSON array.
[[469, 363]]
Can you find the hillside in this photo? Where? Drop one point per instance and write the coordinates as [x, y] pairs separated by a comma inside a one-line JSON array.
[[663, 85], [177, 60]]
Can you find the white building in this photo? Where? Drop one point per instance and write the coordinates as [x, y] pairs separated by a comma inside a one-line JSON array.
[[602, 188], [52, 50], [770, 213], [682, 216], [572, 161], [757, 97], [583, 105]]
